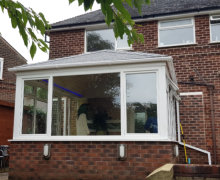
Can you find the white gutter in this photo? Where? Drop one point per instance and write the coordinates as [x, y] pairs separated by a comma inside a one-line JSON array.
[[86, 64], [103, 25], [187, 145]]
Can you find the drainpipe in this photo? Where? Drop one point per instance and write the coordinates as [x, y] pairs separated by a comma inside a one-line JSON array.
[[213, 123], [210, 88]]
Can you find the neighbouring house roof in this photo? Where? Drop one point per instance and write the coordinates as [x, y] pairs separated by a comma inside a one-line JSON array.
[[157, 8], [99, 58]]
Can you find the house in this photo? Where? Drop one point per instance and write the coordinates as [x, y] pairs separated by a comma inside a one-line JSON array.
[[9, 58], [87, 114]]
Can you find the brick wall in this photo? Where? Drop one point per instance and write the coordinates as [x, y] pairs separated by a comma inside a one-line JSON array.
[[66, 43], [11, 59], [87, 160], [7, 89]]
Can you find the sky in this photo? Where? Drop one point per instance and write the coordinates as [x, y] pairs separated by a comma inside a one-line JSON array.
[[53, 10]]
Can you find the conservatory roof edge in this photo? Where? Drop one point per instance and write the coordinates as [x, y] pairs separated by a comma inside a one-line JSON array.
[[48, 66]]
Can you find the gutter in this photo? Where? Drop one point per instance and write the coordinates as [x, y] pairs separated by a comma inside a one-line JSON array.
[[136, 20]]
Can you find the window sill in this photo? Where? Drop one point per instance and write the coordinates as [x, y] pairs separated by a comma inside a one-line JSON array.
[[177, 45], [217, 42], [153, 137]]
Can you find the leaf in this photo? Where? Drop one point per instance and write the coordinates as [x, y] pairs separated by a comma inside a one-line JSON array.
[[120, 27], [109, 15], [33, 50], [40, 25], [13, 22], [70, 1]]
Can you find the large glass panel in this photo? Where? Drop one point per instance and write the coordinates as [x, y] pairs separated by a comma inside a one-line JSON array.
[[141, 98], [215, 31], [86, 105], [176, 36], [100, 39], [35, 107]]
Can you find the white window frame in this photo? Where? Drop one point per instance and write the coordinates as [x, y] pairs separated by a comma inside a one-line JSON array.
[[177, 27], [210, 27], [1, 69], [160, 71], [116, 41]]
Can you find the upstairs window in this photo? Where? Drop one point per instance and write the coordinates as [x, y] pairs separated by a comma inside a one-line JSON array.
[[215, 28], [1, 68], [176, 32], [104, 39]]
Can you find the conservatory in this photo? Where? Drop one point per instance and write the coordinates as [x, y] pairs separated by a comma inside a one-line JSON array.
[[98, 96]]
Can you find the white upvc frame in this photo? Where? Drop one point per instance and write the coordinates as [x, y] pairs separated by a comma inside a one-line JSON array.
[[177, 27], [210, 27], [115, 40], [158, 68], [1, 69]]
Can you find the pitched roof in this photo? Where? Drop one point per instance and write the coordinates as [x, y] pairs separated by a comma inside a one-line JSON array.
[[157, 8], [104, 57]]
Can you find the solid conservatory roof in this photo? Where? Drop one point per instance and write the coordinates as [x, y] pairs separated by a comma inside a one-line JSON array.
[[157, 8], [97, 58]]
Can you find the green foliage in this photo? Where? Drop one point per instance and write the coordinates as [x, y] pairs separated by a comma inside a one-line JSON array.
[[31, 23], [115, 11], [28, 22]]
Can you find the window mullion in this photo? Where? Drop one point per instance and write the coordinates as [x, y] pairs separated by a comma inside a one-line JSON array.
[[49, 108], [123, 104]]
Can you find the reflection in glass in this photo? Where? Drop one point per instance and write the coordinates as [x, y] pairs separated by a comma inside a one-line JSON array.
[[141, 98], [100, 39], [215, 32], [86, 105], [35, 107], [176, 36]]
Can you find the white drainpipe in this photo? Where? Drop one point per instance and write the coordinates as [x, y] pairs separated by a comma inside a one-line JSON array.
[[187, 145]]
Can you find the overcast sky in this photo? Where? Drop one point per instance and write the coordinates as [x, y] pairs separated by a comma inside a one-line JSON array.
[[54, 10]]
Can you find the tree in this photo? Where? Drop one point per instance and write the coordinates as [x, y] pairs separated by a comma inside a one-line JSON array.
[[32, 24]]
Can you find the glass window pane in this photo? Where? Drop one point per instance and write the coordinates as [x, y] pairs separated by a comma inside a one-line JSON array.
[[123, 43], [141, 98], [100, 39], [176, 36], [215, 30], [35, 107], [86, 105], [176, 23]]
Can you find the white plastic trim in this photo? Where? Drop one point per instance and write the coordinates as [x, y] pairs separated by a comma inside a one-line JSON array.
[[187, 145], [162, 134], [1, 69], [191, 94]]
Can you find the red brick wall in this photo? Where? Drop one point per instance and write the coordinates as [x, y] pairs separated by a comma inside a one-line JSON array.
[[7, 89], [66, 43], [87, 160], [11, 59], [6, 124]]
